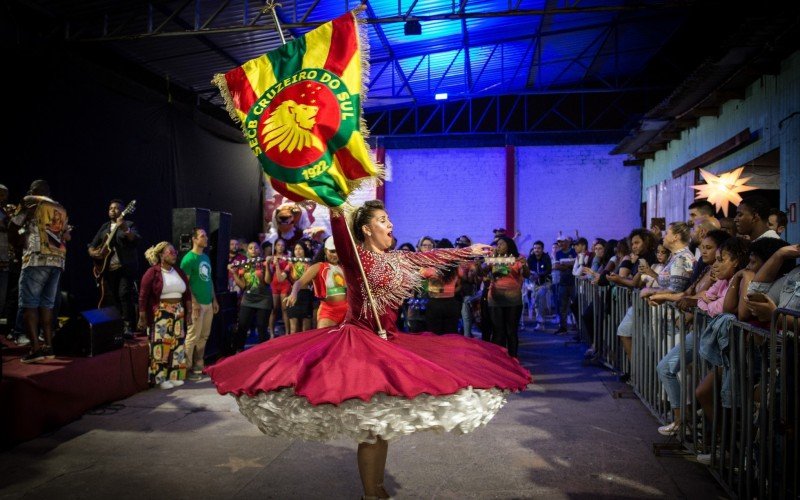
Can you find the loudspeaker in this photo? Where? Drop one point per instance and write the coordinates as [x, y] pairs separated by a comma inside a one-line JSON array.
[[223, 327], [91, 333], [219, 237], [183, 221]]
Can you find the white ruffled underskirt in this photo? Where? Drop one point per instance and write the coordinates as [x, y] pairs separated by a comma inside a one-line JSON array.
[[282, 413]]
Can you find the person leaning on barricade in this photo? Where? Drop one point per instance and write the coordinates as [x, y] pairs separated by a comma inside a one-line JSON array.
[[731, 257], [674, 278], [702, 278], [742, 303], [770, 290], [629, 274], [714, 340], [603, 263]]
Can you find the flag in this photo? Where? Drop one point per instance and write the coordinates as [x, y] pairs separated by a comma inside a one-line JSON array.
[[300, 110]]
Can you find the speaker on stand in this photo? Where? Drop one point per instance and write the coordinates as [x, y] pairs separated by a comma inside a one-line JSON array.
[[221, 338], [219, 237], [183, 221]]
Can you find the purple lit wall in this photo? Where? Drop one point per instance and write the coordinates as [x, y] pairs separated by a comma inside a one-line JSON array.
[[445, 193], [564, 188], [448, 192]]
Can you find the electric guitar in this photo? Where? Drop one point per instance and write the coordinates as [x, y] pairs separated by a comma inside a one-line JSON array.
[[101, 261]]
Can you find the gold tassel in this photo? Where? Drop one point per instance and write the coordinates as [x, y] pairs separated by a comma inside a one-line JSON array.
[[220, 82]]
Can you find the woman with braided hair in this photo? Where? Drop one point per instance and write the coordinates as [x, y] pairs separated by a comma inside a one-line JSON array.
[[362, 381], [164, 298]]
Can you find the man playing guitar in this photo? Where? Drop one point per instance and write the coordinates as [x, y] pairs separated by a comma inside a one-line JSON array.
[[116, 262]]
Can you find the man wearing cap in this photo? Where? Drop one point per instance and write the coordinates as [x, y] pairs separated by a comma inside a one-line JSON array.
[[565, 259], [41, 229]]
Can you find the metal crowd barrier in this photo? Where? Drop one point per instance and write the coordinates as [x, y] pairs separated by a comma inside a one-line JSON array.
[[609, 305], [582, 286], [754, 444], [781, 454]]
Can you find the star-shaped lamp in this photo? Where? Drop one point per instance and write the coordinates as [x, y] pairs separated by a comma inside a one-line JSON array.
[[723, 189]]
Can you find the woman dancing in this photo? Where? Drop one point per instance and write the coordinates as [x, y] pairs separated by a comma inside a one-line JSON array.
[[357, 380], [329, 286]]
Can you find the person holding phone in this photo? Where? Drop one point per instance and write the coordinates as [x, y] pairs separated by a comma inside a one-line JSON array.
[[771, 289]]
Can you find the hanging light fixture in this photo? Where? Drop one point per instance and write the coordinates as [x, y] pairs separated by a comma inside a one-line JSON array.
[[723, 189], [412, 27]]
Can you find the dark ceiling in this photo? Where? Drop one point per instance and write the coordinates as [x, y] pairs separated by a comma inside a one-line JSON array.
[[525, 70]]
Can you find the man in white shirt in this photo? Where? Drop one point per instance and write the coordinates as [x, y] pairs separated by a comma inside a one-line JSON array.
[[752, 219]]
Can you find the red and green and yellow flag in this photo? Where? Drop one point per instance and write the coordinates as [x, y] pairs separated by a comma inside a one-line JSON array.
[[300, 110]]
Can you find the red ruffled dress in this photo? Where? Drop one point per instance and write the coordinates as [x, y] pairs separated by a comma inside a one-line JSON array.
[[348, 381]]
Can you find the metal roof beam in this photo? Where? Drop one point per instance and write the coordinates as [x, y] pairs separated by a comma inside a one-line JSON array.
[[216, 13], [408, 12], [485, 111], [488, 59], [563, 31], [372, 19], [410, 75], [545, 92], [444, 75], [457, 115], [537, 54], [521, 61], [380, 72], [171, 16], [309, 11], [550, 110], [510, 112], [390, 50], [465, 46], [204, 40]]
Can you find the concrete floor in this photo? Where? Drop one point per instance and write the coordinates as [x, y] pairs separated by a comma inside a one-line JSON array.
[[566, 437]]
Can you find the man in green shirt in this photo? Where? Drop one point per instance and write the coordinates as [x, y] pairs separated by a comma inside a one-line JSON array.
[[197, 267]]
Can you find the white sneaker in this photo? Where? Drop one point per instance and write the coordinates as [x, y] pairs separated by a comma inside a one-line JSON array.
[[165, 385], [176, 383], [669, 429], [23, 340]]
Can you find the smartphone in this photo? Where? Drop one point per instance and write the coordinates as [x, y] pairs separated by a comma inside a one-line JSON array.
[[757, 297]]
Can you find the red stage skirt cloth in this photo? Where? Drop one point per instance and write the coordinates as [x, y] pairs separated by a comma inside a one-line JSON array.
[[346, 380], [40, 397]]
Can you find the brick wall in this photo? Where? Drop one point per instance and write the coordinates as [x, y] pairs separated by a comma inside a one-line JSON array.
[[564, 188], [448, 192]]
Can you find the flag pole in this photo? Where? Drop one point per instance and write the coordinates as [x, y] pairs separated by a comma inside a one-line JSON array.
[[271, 6]]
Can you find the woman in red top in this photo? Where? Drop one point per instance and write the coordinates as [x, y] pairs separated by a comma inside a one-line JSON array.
[[281, 286], [361, 381], [164, 298], [443, 310], [505, 295], [329, 286]]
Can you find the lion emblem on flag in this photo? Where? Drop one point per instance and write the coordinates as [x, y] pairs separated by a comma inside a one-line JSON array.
[[289, 127]]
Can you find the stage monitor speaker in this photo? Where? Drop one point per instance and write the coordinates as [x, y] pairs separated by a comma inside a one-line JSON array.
[[183, 221], [219, 237], [223, 327], [91, 333]]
